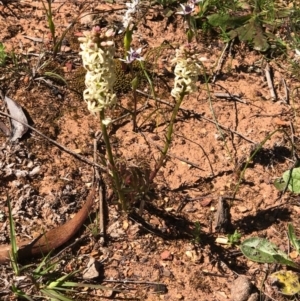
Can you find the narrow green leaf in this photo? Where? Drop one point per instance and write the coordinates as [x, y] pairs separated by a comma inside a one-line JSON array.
[[293, 239], [14, 247], [55, 76], [97, 286], [55, 295], [285, 261]]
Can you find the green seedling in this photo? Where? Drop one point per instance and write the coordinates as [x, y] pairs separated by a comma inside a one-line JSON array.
[[234, 238], [14, 247], [57, 41], [48, 11], [196, 233], [293, 239], [46, 282], [3, 55]]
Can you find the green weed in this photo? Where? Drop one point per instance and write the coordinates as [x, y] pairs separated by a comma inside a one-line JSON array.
[[3, 55], [234, 238], [196, 233]]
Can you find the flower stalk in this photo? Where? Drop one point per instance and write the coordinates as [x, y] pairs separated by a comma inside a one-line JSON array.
[[111, 161], [168, 141], [98, 59], [132, 8], [186, 74]]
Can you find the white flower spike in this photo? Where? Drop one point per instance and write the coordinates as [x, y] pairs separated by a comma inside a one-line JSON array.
[[132, 9], [97, 52], [186, 71]]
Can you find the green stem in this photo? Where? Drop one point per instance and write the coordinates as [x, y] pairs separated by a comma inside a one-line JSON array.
[[112, 162], [258, 148], [168, 137], [190, 32], [127, 40], [214, 115]]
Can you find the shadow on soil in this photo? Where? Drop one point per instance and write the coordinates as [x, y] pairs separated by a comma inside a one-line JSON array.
[[262, 220]]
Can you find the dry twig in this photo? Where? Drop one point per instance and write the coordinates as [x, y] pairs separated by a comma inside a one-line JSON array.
[[270, 82]]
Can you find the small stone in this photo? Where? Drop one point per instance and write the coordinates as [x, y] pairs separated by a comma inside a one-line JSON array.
[[166, 255], [92, 270], [242, 209], [125, 224], [77, 150], [31, 49], [65, 49], [206, 202], [241, 289], [166, 272], [179, 297]]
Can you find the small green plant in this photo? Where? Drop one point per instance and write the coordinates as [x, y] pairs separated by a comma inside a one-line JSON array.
[[196, 233], [14, 248], [3, 55], [52, 28], [48, 283], [234, 238], [254, 22], [56, 41], [263, 251], [293, 238]]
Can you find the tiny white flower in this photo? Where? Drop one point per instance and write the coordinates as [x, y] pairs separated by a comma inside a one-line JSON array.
[[106, 121], [186, 9], [133, 55], [133, 5]]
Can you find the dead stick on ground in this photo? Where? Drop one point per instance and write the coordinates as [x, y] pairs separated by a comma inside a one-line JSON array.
[[132, 282], [220, 62], [269, 81], [77, 156], [229, 96], [286, 92]]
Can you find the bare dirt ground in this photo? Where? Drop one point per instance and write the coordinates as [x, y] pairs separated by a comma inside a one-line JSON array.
[[158, 244]]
